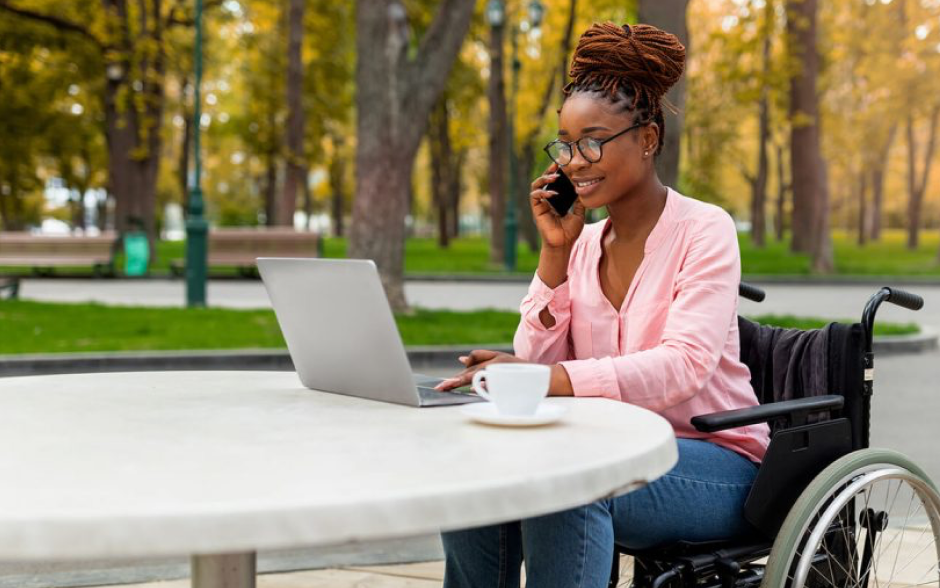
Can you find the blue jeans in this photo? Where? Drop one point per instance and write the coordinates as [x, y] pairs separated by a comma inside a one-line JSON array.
[[700, 499]]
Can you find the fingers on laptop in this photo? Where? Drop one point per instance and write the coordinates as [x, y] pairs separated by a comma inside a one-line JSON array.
[[479, 356], [474, 361]]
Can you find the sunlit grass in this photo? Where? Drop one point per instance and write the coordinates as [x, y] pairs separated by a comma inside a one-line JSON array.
[[38, 327]]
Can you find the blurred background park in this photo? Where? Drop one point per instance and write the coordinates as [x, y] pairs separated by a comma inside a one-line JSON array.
[[408, 131]]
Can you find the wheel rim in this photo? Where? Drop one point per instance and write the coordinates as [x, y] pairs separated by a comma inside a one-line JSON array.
[[903, 553]]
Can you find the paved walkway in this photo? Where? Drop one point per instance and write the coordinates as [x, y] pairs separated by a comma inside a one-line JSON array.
[[836, 302], [431, 574], [420, 575]]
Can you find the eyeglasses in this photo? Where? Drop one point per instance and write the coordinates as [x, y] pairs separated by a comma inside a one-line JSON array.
[[562, 152]]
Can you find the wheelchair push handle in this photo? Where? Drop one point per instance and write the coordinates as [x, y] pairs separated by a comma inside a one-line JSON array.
[[750, 292], [904, 298], [893, 295]]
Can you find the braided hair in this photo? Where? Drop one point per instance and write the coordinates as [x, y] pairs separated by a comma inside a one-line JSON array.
[[632, 66]]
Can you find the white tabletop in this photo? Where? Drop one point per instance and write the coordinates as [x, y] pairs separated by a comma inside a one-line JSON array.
[[166, 463]]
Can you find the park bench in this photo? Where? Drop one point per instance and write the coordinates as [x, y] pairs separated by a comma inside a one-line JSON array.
[[9, 288], [240, 247], [42, 253]]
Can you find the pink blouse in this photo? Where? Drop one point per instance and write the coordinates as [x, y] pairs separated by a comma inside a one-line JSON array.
[[673, 345]]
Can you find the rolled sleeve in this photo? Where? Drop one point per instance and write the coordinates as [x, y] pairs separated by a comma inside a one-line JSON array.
[[534, 341], [557, 300], [593, 377]]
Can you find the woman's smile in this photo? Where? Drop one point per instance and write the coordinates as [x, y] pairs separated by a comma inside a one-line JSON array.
[[587, 186]]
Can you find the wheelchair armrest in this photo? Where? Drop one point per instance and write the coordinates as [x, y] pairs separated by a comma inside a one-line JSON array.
[[794, 411]]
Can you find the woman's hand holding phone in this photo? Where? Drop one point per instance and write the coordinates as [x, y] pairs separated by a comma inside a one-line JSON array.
[[558, 231]]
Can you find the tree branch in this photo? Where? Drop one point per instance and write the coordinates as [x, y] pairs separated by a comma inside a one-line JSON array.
[[425, 77], [550, 87], [57, 22], [173, 20]]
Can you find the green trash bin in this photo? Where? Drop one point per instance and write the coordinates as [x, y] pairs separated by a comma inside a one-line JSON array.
[[136, 253]]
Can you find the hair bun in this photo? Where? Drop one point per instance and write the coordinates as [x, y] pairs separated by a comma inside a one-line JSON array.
[[642, 56]]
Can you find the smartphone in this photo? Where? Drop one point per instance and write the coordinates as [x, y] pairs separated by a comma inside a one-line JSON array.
[[566, 196]]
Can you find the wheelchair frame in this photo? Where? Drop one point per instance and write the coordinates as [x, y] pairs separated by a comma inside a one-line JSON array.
[[813, 443]]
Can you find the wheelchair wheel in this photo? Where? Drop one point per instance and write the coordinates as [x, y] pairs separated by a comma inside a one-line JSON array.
[[872, 518]]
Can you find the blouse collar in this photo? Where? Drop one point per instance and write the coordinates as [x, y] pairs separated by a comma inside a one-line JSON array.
[[660, 230]]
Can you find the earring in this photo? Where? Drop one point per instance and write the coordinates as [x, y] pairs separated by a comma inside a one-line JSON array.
[[646, 154]]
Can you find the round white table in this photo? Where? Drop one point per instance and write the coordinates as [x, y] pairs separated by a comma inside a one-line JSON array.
[[220, 464]]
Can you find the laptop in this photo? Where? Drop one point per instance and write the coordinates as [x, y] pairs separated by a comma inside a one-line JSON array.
[[341, 333]]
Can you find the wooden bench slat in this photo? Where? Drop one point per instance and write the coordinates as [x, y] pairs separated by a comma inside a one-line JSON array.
[[242, 246], [43, 251]]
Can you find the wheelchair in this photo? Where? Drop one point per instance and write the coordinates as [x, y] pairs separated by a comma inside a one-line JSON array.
[[826, 509]]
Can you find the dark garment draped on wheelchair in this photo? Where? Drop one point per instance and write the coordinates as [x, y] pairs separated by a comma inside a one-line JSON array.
[[787, 364]]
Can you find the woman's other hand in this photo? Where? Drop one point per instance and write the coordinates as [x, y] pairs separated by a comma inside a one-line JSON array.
[[558, 232], [476, 361]]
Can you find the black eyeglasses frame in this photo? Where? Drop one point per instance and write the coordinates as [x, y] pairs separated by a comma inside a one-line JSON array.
[[600, 145]]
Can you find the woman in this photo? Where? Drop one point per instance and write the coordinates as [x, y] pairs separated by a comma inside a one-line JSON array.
[[639, 308]]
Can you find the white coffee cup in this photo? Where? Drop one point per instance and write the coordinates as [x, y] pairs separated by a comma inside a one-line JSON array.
[[514, 388]]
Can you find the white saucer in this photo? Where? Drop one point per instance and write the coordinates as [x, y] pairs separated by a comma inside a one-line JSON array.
[[485, 412]]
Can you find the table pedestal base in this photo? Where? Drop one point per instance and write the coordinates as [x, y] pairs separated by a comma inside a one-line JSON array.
[[231, 570]]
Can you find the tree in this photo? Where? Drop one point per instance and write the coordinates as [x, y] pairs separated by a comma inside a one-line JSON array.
[[528, 147], [917, 179], [499, 145], [50, 123], [395, 94], [295, 175], [809, 176], [670, 15], [128, 39], [442, 169], [759, 184]]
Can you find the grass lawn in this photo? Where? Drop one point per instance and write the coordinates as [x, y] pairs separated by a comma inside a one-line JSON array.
[[35, 327], [470, 255], [888, 257]]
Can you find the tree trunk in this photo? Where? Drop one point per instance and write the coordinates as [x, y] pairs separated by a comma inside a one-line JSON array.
[[270, 190], [670, 15], [822, 254], [525, 172], [878, 183], [337, 187], [759, 194], [499, 147], [307, 197], [441, 169], [133, 126], [783, 184], [808, 169], [295, 175], [917, 183], [8, 205], [455, 188], [394, 95], [864, 223]]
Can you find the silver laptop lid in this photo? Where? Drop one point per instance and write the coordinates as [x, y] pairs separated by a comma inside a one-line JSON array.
[[339, 328]]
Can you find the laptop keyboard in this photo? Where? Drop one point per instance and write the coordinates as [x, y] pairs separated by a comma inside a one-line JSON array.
[[427, 390], [429, 394]]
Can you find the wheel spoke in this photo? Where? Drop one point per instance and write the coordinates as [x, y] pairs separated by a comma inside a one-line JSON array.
[[918, 554], [903, 529]]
